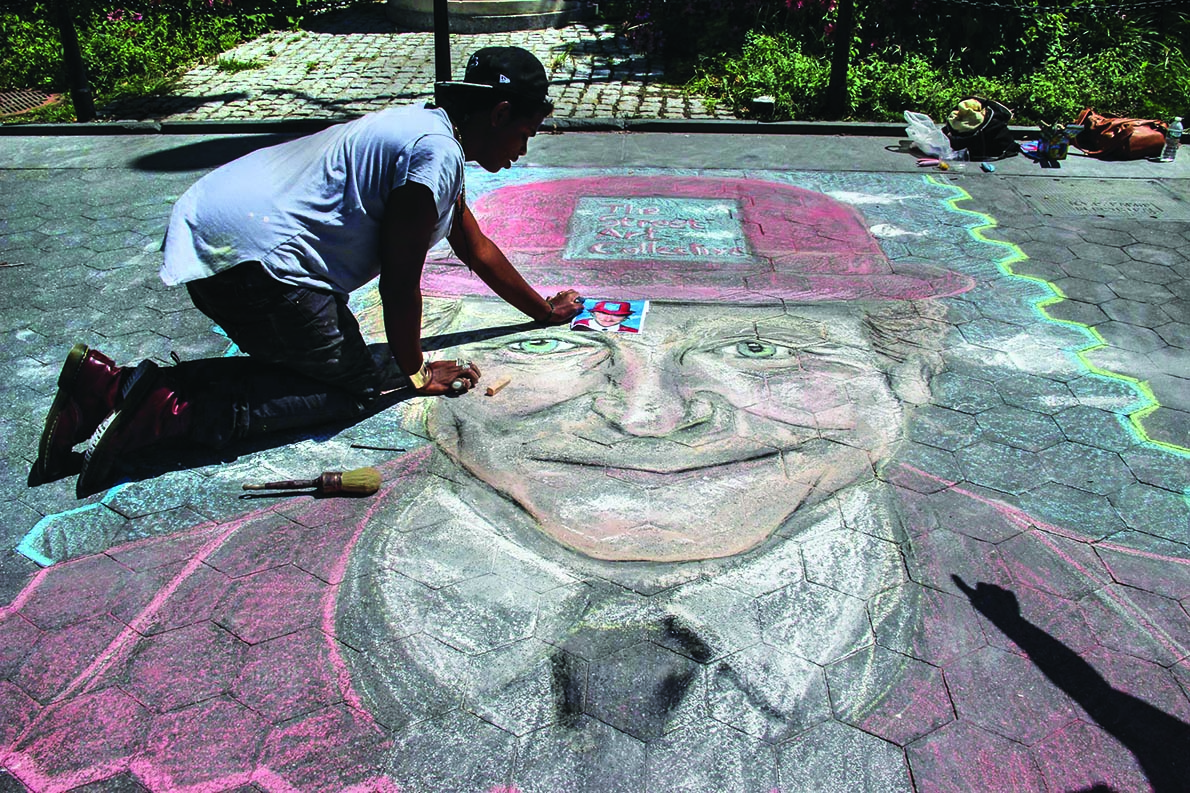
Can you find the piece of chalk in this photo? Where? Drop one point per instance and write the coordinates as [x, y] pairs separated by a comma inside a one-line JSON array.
[[495, 387], [987, 167], [944, 166], [927, 161]]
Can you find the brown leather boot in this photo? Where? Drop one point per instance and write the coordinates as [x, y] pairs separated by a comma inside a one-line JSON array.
[[151, 413], [89, 386]]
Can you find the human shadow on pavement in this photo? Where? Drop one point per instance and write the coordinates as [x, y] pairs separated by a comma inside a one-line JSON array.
[[209, 153], [1159, 741], [151, 108]]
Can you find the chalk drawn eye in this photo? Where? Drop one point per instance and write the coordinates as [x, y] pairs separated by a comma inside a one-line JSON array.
[[541, 346], [755, 349]]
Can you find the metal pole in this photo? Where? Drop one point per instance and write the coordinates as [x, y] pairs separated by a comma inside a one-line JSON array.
[[442, 67], [836, 90], [76, 68]]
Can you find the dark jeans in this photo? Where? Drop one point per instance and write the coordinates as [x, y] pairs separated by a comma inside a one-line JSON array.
[[307, 363]]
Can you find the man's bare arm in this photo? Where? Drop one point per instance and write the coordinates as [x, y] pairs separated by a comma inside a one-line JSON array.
[[482, 255]]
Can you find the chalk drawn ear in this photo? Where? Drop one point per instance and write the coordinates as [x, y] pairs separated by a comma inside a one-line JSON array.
[[910, 381]]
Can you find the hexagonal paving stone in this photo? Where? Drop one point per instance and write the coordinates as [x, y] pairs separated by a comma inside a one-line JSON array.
[[890, 695], [1084, 289], [1144, 252], [914, 460], [710, 757], [989, 761], [1133, 312], [705, 622], [1087, 468], [834, 757], [269, 540], [1140, 694], [74, 592], [814, 622], [271, 603], [388, 592], [62, 748], [17, 638], [1143, 561], [17, 709], [193, 594], [1053, 563], [1102, 253], [335, 748], [1092, 426], [964, 394], [455, 752], [1082, 756], [520, 698], [1089, 514], [1154, 511], [409, 680], [438, 555], [480, 614], [853, 563], [778, 567], [767, 693], [1078, 311], [1007, 694], [585, 757], [646, 690], [1175, 333], [182, 667], [62, 655], [291, 675], [939, 426], [923, 623], [1121, 336], [213, 744], [1142, 624], [1020, 428], [1104, 393], [1000, 467], [992, 333]]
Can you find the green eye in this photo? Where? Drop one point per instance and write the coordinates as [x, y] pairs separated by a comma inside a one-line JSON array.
[[754, 348], [540, 346]]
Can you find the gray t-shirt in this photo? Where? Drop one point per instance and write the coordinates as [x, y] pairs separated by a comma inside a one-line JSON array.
[[310, 209]]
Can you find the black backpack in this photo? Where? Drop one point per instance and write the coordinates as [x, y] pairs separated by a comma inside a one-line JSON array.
[[992, 139]]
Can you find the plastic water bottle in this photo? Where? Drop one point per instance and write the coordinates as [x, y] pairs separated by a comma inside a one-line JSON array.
[[1172, 140]]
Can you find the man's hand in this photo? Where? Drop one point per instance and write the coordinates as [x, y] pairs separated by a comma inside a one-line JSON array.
[[564, 307], [445, 375]]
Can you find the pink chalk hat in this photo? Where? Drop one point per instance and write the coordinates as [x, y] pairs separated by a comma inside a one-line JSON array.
[[691, 238]]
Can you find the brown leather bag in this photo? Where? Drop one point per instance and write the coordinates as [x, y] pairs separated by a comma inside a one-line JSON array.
[[1108, 137]]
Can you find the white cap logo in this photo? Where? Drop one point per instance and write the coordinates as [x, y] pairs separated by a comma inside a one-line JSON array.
[[504, 79]]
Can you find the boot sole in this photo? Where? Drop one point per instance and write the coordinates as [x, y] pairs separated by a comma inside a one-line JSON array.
[[101, 452], [47, 466]]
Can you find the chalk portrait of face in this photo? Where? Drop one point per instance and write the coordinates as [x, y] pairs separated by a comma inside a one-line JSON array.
[[693, 440]]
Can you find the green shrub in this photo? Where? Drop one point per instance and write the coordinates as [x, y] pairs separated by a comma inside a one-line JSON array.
[[882, 88], [125, 51]]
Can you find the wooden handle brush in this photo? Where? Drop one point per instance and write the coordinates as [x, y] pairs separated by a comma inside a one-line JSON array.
[[361, 481]]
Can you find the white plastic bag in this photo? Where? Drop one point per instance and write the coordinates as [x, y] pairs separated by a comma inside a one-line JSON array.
[[929, 138]]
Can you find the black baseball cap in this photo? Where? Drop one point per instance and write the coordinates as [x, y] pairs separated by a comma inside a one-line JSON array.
[[506, 70]]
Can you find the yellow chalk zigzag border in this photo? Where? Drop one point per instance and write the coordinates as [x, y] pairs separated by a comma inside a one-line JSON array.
[[1147, 400]]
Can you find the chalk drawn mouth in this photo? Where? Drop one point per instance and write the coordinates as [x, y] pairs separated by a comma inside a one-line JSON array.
[[659, 465]]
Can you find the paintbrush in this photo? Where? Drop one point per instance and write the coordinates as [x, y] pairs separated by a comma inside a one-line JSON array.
[[361, 481]]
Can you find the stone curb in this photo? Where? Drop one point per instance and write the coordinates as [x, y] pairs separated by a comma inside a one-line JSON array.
[[308, 125]]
